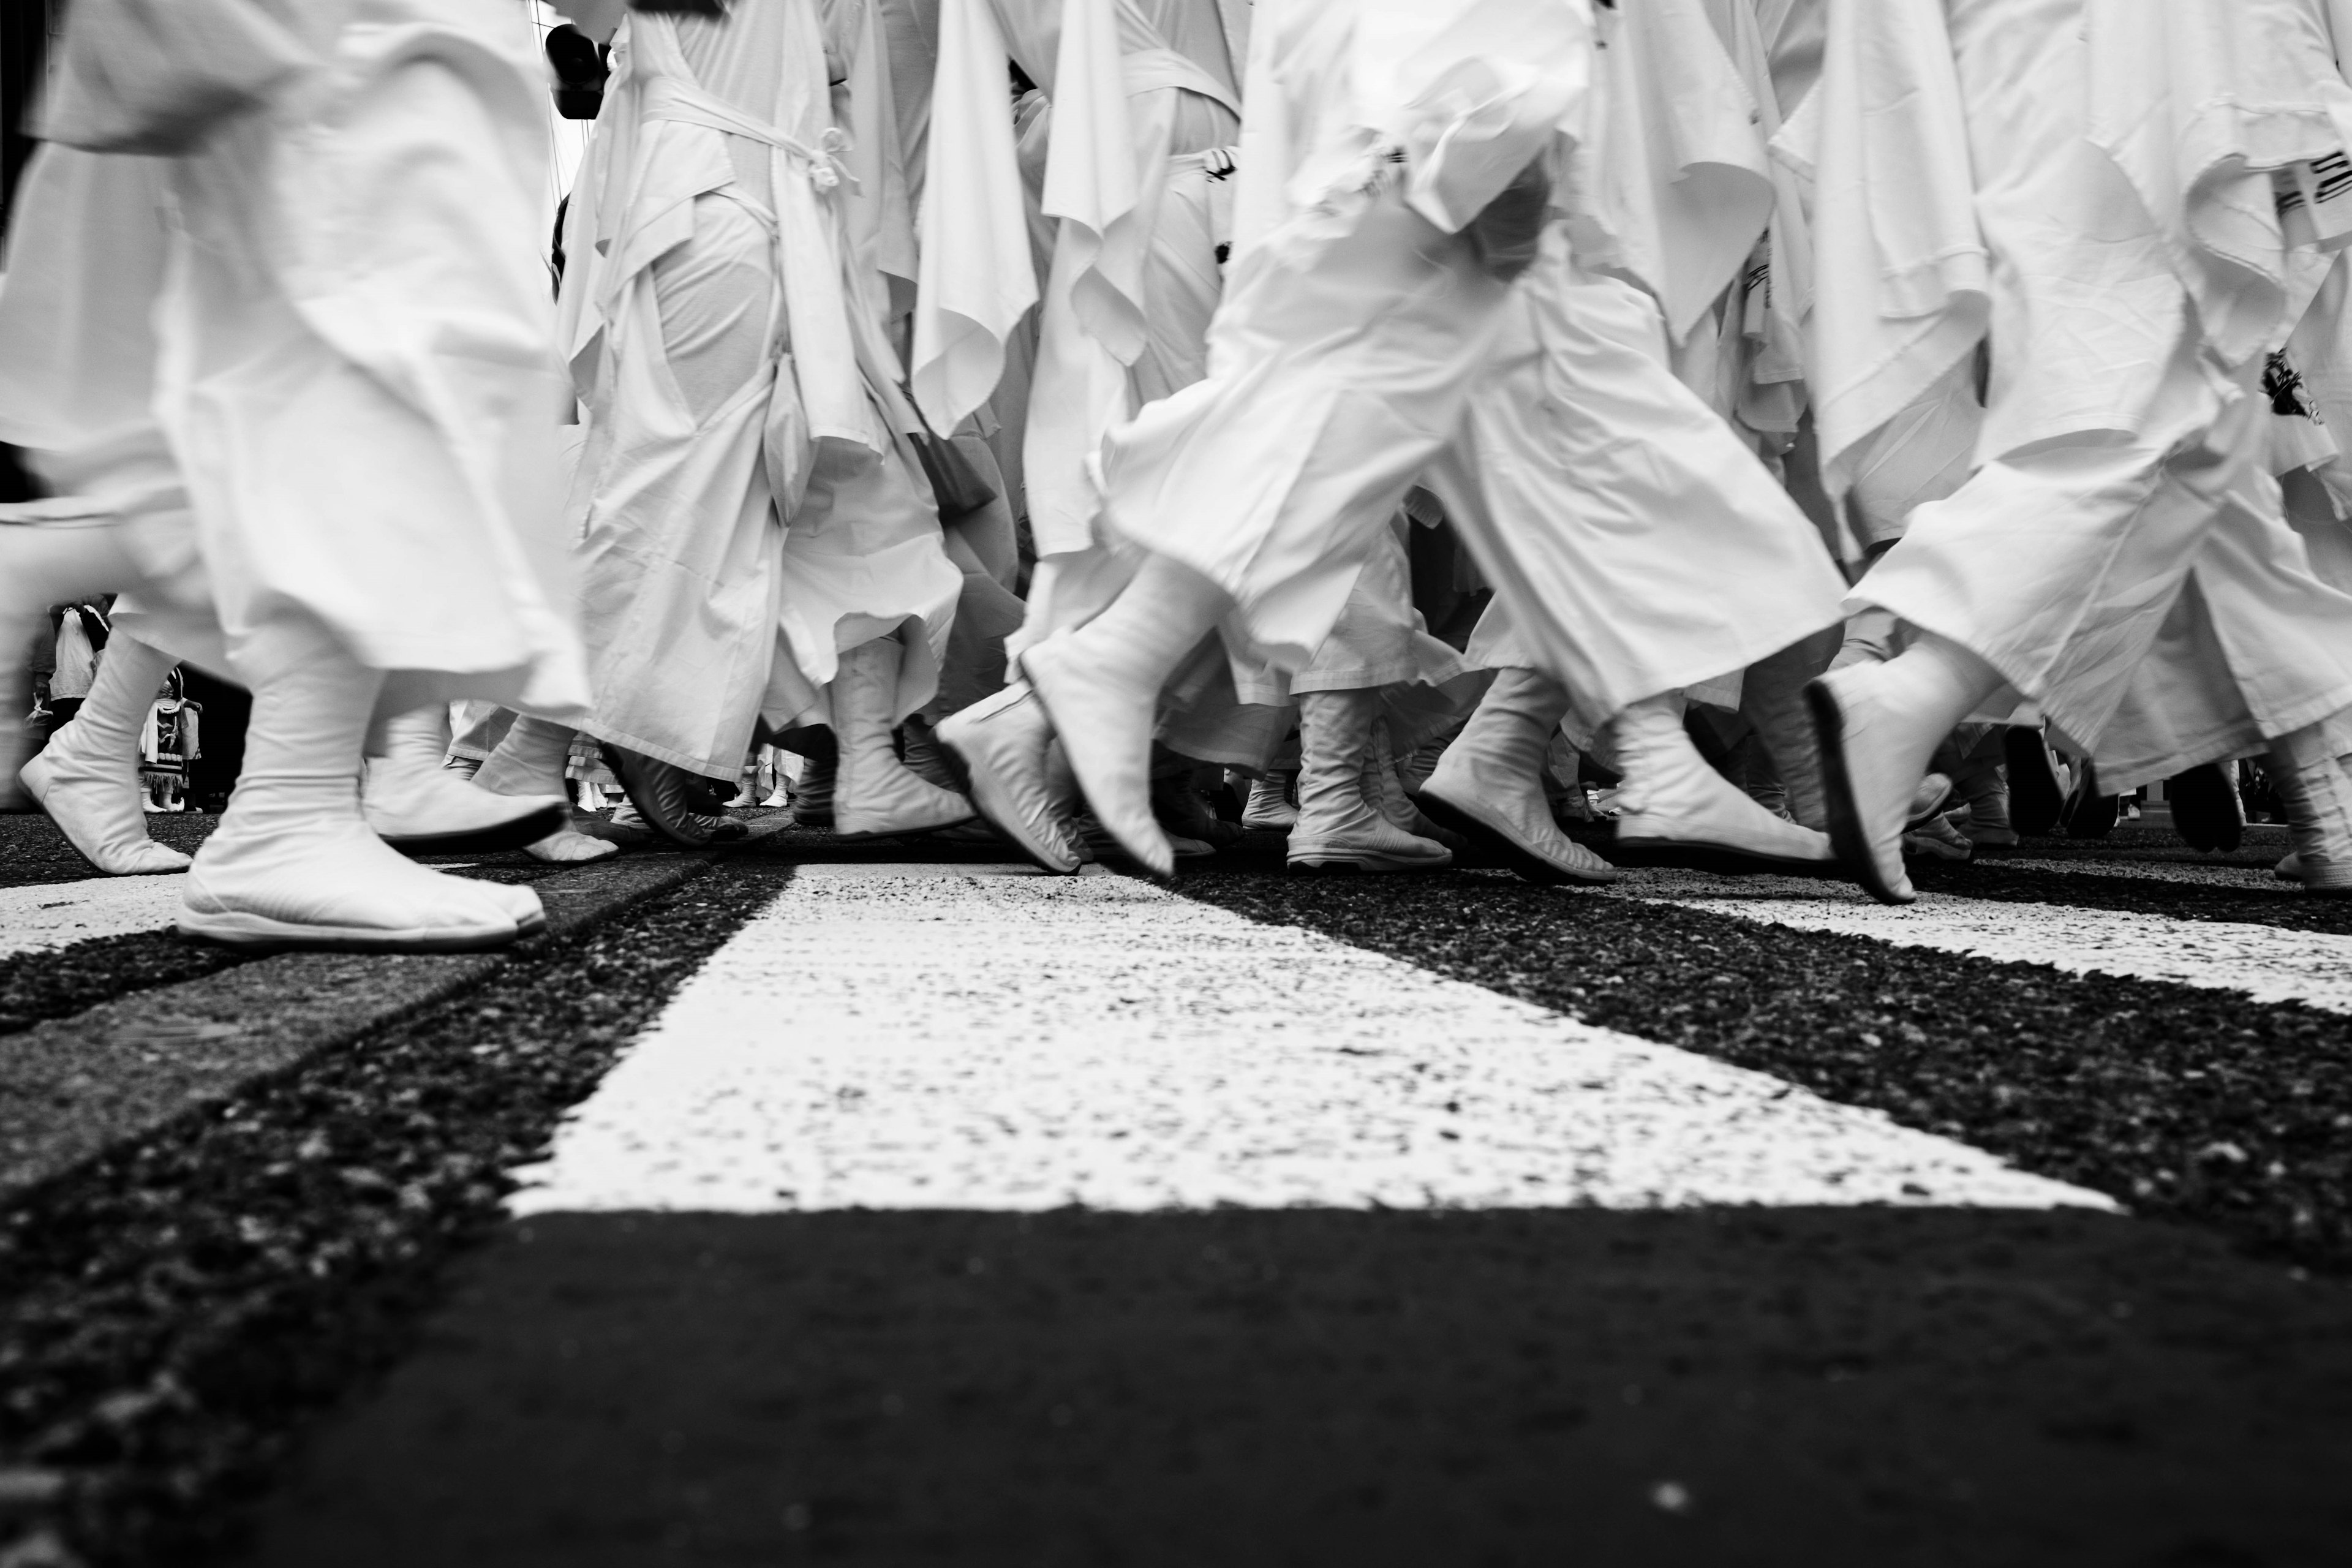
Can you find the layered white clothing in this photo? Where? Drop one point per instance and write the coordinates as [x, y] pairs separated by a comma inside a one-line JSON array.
[[2114, 427], [747, 504], [354, 372], [1636, 544]]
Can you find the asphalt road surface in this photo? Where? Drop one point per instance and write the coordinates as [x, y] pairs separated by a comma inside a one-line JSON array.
[[899, 1205]]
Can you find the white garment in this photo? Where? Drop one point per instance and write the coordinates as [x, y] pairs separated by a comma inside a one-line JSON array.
[[2115, 444], [728, 343], [1637, 546], [1893, 282], [1674, 183], [354, 376]]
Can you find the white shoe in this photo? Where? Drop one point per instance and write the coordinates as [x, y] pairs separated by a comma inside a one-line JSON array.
[[420, 807], [1879, 726], [567, 845], [1100, 685], [1002, 742], [1488, 784], [293, 863], [1337, 830], [102, 811], [335, 885], [88, 778], [1675, 810], [876, 795], [1936, 839], [1105, 733], [2315, 788], [2289, 870], [1385, 792], [1269, 807]]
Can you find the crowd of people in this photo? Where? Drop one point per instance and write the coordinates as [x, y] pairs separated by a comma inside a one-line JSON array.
[[1028, 412]]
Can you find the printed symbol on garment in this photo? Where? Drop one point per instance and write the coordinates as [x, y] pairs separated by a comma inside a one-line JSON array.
[[2283, 385]]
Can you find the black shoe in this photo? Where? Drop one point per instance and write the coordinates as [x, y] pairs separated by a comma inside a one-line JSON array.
[[2090, 815], [2205, 809], [2035, 802], [669, 798]]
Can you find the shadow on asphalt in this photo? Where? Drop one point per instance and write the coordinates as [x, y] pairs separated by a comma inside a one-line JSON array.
[[1245, 1387]]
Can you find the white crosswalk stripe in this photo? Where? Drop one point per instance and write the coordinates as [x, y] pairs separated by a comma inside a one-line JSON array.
[[49, 915], [939, 1037], [2265, 962]]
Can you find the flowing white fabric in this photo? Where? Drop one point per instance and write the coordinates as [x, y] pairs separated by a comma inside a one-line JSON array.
[[2200, 102], [1896, 275], [2116, 450], [1636, 545], [1675, 180], [86, 256], [355, 372], [728, 338]]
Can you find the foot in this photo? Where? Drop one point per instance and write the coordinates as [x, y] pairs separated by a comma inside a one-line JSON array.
[[2289, 870], [568, 846], [2037, 798], [1184, 815], [99, 809], [1685, 814], [1268, 809], [1928, 802], [1508, 820], [2206, 811], [1002, 741], [669, 799], [1106, 731], [338, 886], [1936, 839], [422, 810], [1369, 844], [1868, 778]]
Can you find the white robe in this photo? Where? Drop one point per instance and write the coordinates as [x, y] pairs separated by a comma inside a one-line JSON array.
[[354, 375], [724, 316], [2114, 427], [1636, 544]]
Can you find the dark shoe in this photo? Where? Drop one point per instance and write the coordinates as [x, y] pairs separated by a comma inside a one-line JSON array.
[[2035, 802], [669, 799], [2091, 815], [2206, 810]]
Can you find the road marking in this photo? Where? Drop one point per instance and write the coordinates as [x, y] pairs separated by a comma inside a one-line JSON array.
[[897, 1037], [2265, 962], [49, 915], [2251, 879]]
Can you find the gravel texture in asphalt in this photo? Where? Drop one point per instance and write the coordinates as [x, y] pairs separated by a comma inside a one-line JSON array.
[[171, 1312], [2191, 1104]]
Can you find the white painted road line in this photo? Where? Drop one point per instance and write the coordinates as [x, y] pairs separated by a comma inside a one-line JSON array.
[[2248, 878], [903, 1036], [2264, 962], [49, 915]]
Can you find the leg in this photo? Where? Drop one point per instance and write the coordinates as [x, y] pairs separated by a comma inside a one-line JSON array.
[[530, 762], [87, 778], [293, 863], [874, 794], [420, 807]]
